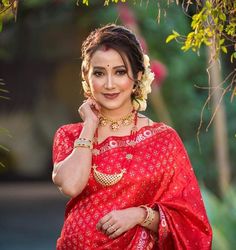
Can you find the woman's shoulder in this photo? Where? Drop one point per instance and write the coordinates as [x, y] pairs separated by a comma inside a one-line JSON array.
[[166, 133], [146, 123], [71, 128], [160, 129]]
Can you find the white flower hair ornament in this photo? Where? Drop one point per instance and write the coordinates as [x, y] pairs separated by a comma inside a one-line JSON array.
[[145, 85]]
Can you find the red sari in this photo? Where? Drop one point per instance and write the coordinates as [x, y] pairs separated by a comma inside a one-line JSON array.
[[160, 175]]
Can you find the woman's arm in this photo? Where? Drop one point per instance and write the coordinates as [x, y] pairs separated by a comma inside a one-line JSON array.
[[71, 175]]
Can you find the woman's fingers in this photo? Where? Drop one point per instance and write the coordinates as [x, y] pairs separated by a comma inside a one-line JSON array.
[[116, 233], [109, 229], [89, 110], [109, 226], [117, 222], [104, 222], [93, 104], [106, 226]]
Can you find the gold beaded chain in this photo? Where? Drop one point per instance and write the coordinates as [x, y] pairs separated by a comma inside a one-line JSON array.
[[116, 124], [111, 179]]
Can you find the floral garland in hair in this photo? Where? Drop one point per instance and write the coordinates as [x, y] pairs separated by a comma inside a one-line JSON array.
[[145, 85]]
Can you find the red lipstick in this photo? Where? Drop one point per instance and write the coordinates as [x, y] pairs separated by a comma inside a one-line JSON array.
[[111, 95]]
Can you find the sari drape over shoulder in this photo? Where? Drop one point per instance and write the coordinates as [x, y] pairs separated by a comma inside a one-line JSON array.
[[160, 176]]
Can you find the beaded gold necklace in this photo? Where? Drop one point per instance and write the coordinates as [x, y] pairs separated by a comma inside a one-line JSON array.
[[111, 179], [115, 124]]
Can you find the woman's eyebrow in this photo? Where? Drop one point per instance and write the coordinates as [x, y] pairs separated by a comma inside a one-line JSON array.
[[102, 68], [120, 66], [98, 67]]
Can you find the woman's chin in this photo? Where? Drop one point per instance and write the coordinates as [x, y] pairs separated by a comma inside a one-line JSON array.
[[110, 107]]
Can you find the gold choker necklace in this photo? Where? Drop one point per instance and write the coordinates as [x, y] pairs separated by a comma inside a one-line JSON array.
[[115, 124]]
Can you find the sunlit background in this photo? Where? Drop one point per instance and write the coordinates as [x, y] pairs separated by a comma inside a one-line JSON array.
[[40, 66]]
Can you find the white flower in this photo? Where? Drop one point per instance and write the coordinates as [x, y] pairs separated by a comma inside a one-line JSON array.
[[146, 60], [146, 81]]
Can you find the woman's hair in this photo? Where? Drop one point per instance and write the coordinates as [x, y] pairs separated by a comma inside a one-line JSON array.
[[118, 38]]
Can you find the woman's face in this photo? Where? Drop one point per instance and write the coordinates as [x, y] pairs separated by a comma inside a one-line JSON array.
[[110, 81]]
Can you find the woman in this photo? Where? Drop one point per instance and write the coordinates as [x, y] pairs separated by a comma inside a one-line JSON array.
[[130, 179]]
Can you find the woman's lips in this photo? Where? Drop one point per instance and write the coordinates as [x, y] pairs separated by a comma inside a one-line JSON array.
[[111, 96]]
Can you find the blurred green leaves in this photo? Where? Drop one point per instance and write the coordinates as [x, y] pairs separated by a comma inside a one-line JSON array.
[[8, 10], [106, 2], [213, 23], [222, 216], [172, 36], [4, 95]]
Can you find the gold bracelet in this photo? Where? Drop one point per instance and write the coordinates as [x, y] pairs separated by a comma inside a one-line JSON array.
[[83, 143], [82, 146], [150, 216], [84, 139]]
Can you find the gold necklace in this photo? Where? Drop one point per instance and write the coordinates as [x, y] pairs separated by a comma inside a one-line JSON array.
[[107, 179], [115, 124], [111, 179]]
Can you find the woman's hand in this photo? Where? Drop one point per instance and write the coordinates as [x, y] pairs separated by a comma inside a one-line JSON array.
[[89, 110], [118, 222]]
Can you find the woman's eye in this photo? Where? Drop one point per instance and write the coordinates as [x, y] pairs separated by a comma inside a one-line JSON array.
[[121, 72], [98, 73]]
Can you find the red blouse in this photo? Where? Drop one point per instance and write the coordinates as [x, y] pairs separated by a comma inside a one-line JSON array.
[[159, 175]]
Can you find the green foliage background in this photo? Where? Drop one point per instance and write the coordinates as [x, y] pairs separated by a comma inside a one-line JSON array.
[[50, 22]]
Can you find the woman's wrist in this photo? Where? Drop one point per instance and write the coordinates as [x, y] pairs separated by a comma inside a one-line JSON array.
[[142, 215], [90, 125], [150, 216], [88, 130]]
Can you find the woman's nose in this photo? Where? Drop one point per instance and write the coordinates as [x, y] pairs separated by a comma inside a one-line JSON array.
[[109, 82]]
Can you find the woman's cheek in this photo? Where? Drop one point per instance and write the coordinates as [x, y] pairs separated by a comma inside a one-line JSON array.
[[126, 83], [96, 85]]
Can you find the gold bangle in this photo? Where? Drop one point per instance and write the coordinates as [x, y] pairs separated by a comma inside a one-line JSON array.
[[84, 139], [82, 146], [150, 216], [83, 143]]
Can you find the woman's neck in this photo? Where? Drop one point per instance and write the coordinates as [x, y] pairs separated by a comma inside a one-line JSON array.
[[116, 114]]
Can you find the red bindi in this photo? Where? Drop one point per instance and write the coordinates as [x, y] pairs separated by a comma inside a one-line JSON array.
[[105, 47]]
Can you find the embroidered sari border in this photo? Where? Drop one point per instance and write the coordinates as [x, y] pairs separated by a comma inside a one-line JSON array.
[[142, 136]]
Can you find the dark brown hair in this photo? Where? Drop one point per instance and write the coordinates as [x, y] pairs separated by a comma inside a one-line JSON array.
[[118, 38]]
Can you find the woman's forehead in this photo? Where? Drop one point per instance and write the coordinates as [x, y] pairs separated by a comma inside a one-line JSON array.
[[108, 56]]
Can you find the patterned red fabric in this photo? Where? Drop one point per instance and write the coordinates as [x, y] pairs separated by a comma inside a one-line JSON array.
[[160, 175]]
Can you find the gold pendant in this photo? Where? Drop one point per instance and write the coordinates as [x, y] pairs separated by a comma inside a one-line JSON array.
[[107, 179], [115, 126], [127, 121], [102, 122]]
